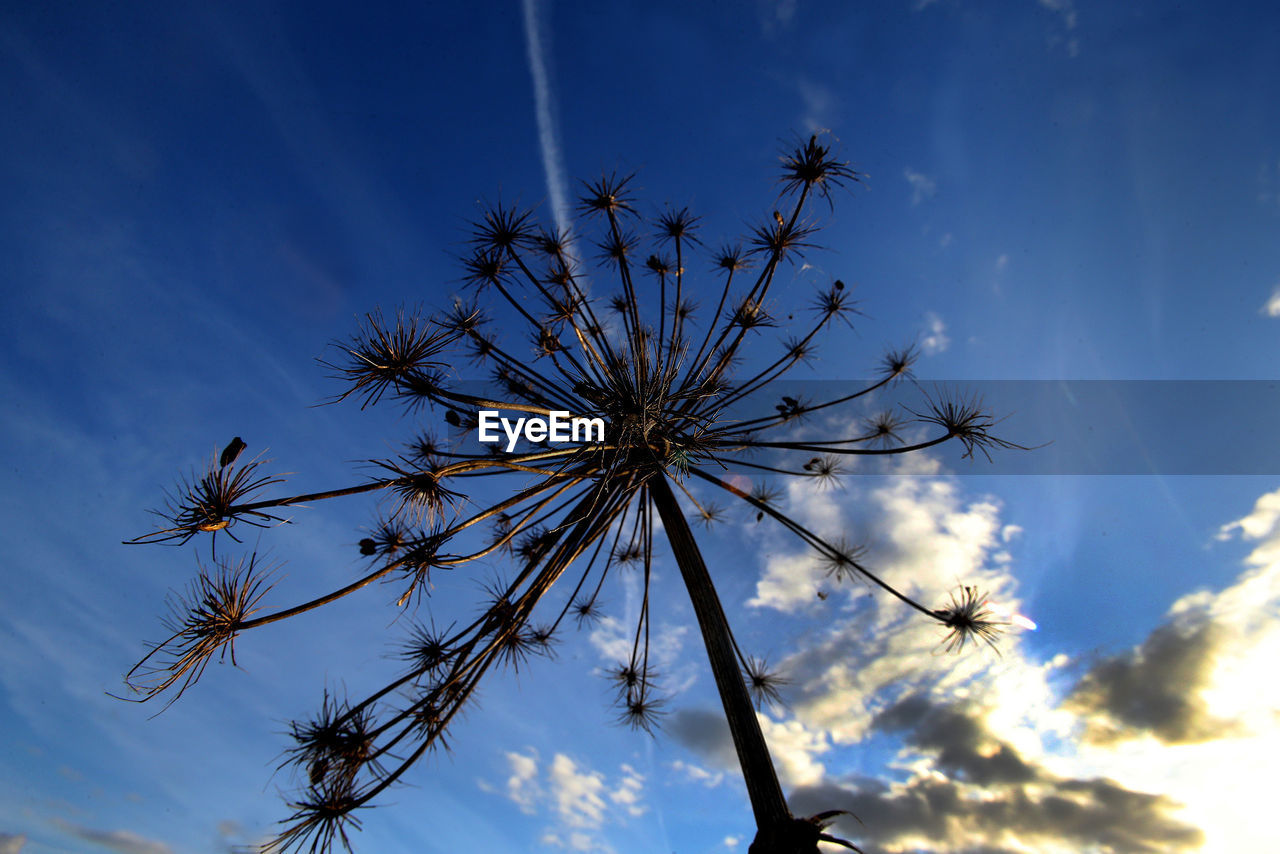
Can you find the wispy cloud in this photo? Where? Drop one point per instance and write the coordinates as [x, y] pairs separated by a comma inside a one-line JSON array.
[[545, 112], [922, 186], [1066, 12], [819, 101], [124, 841], [935, 340], [10, 844]]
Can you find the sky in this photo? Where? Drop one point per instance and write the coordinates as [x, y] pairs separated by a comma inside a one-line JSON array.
[[1072, 207]]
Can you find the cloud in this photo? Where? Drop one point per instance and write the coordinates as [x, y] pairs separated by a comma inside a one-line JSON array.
[[124, 841], [697, 774], [704, 732], [819, 101], [1194, 678], [580, 801], [613, 639], [1066, 12], [927, 538], [1272, 306], [793, 746], [10, 844], [628, 791], [1155, 688], [935, 340], [790, 582], [578, 795], [1163, 747], [775, 15], [544, 111], [1065, 8], [1260, 522], [922, 186], [522, 785], [969, 790]]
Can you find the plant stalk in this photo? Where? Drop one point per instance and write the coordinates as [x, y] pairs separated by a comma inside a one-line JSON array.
[[767, 803]]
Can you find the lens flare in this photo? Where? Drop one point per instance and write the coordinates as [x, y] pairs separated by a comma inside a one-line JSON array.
[[1012, 616]]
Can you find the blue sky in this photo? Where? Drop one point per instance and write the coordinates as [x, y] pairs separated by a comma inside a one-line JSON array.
[[197, 200]]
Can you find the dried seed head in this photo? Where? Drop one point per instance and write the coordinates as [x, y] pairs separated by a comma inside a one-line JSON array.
[[969, 620]]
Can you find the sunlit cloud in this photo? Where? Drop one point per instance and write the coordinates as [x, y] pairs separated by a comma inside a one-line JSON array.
[[1272, 306], [968, 789], [1162, 747]]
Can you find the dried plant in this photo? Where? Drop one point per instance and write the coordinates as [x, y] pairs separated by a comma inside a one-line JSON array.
[[666, 393]]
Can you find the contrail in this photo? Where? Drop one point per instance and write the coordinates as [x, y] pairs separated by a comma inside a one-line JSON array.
[[557, 187]]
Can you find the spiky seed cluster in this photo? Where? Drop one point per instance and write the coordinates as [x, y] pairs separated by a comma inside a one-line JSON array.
[[203, 623], [392, 357], [214, 501], [764, 683], [664, 385], [969, 620]]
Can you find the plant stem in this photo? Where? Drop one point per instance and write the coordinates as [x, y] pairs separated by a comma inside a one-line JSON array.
[[767, 802]]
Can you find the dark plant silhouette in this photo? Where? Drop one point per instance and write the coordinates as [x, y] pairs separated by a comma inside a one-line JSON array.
[[666, 391]]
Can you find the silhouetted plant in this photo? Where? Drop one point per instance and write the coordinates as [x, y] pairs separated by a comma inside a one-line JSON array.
[[666, 393]]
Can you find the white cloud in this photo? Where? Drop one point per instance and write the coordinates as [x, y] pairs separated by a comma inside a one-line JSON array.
[[697, 774], [578, 795], [10, 844], [522, 785], [922, 186], [1272, 306], [1002, 262], [628, 791], [789, 584], [794, 748], [613, 639], [580, 801], [935, 340], [1259, 523]]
